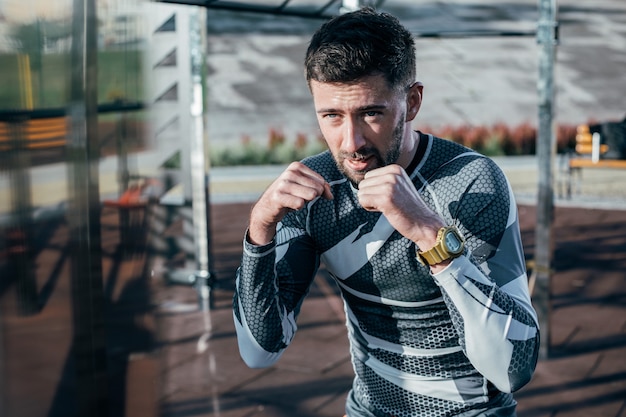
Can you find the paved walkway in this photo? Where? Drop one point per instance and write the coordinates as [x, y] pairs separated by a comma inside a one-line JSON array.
[[168, 357], [586, 374]]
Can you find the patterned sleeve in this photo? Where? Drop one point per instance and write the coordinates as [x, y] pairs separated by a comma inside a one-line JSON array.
[[271, 284], [487, 291]]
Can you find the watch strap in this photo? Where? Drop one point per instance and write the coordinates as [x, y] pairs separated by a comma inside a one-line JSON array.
[[438, 253]]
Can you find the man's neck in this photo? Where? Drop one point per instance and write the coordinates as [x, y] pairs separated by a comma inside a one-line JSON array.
[[408, 154]]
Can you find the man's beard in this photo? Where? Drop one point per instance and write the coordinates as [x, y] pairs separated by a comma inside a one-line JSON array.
[[390, 157]]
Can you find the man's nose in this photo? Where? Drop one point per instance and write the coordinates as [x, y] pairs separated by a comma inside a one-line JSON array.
[[353, 138]]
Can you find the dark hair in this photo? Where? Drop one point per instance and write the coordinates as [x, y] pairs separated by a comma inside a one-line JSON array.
[[359, 44]]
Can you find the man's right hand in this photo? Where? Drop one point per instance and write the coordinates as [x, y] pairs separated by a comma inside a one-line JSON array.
[[294, 188]]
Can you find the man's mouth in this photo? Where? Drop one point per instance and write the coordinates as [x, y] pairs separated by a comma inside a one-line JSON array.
[[359, 164]]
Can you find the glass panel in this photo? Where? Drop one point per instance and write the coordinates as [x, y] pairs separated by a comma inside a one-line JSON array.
[[72, 297]]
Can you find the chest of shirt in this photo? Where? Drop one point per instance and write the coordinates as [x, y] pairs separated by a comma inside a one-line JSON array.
[[367, 257]]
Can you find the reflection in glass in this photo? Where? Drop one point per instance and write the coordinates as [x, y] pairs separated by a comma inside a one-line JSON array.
[[71, 289]]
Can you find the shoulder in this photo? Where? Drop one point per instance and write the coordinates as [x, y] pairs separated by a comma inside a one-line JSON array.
[[445, 149], [456, 157], [324, 164]]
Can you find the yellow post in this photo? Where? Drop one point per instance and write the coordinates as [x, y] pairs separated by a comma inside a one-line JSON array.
[[26, 85]]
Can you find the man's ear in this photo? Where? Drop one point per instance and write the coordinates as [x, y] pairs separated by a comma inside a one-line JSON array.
[[414, 100]]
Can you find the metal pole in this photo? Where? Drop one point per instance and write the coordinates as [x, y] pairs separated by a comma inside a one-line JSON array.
[[352, 5], [199, 160], [89, 343], [546, 150], [20, 236]]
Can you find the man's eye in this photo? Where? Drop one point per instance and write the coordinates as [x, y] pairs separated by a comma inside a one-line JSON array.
[[372, 113]]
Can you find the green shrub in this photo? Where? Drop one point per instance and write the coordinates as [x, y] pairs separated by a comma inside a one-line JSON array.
[[496, 140], [277, 151]]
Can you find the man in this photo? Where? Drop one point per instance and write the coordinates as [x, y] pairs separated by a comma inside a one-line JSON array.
[[420, 234]]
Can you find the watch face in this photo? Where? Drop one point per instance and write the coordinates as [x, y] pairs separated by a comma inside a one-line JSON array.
[[453, 243]]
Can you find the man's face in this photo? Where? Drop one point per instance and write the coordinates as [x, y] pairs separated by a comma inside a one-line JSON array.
[[363, 123]]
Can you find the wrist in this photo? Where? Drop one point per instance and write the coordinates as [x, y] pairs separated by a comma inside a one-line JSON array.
[[249, 243], [428, 238], [260, 232], [428, 234], [259, 235], [449, 244]]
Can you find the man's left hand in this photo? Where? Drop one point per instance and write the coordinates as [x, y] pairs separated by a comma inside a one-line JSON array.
[[390, 191]]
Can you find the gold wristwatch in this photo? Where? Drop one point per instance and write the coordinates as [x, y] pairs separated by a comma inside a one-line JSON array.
[[449, 245]]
